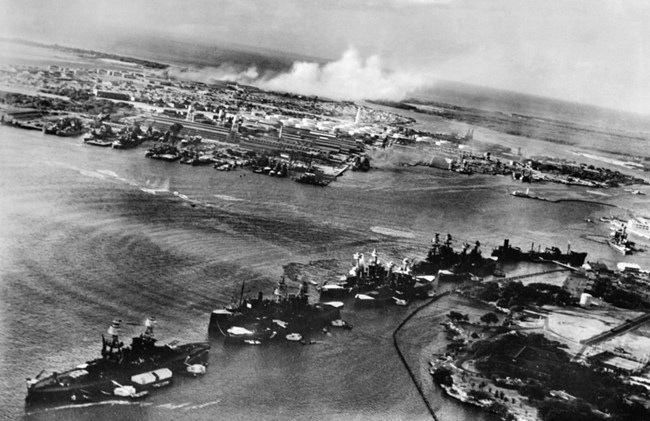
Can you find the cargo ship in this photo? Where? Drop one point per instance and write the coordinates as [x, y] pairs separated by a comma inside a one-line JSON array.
[[255, 321], [507, 253], [122, 371]]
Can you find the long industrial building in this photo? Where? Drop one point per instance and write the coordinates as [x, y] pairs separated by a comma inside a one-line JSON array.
[[191, 128], [294, 139]]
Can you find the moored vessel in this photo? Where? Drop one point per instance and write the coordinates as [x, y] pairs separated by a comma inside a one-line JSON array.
[[124, 371], [311, 177], [618, 241], [259, 320], [442, 257], [507, 253], [65, 126], [375, 284]]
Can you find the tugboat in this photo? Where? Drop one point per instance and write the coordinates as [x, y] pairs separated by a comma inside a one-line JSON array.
[[442, 257], [129, 371], [259, 320], [507, 253]]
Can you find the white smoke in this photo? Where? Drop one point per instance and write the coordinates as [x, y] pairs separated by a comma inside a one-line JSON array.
[[227, 72], [349, 78]]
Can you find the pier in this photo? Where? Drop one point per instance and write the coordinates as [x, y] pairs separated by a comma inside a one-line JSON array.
[[531, 275], [618, 330]]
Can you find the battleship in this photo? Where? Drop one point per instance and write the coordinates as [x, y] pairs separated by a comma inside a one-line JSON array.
[[123, 371], [526, 194], [507, 253], [255, 321], [442, 257], [375, 284]]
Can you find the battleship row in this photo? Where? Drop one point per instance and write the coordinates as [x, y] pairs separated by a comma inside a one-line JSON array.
[[133, 371]]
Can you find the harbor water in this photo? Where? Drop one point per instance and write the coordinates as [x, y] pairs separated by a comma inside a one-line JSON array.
[[90, 234]]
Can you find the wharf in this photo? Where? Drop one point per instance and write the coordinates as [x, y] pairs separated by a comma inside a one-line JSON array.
[[618, 330]]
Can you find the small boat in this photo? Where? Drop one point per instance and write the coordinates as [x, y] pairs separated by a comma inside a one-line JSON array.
[[341, 323], [196, 369], [400, 302], [248, 336], [334, 291], [372, 299], [98, 142], [294, 337]]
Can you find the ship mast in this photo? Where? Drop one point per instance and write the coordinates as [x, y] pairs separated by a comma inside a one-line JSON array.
[[148, 334], [112, 349]]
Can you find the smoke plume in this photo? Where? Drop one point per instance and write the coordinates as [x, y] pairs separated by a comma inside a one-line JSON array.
[[227, 72], [349, 78]]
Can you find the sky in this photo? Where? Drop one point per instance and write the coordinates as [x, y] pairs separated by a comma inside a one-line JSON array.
[[587, 51]]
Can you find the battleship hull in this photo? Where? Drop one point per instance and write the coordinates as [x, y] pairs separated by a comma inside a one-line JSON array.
[[100, 378], [262, 322]]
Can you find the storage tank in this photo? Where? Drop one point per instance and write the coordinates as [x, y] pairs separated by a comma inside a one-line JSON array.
[[585, 300]]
